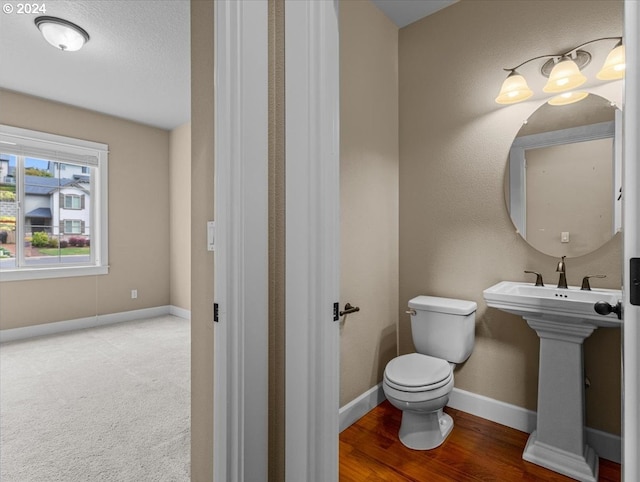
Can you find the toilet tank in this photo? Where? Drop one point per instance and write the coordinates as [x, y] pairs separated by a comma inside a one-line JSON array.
[[443, 327]]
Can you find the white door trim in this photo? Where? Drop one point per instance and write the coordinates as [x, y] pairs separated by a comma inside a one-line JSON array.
[[312, 240], [241, 245], [631, 190]]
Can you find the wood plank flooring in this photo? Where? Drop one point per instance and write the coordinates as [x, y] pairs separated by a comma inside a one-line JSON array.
[[476, 450]]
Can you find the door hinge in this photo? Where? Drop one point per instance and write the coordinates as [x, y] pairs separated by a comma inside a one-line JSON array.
[[336, 311], [634, 281], [216, 316]]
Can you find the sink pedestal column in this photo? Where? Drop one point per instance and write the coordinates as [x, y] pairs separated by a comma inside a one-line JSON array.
[[558, 443]]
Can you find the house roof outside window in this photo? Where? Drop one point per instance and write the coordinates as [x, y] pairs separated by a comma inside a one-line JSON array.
[[44, 186], [44, 213]]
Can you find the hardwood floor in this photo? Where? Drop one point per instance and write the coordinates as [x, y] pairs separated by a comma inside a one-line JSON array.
[[476, 450]]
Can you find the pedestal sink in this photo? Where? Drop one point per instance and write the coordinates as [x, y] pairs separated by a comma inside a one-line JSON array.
[[562, 318]]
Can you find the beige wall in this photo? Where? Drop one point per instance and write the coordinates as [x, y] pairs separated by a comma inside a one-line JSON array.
[[368, 194], [138, 224], [202, 183], [180, 216], [456, 238]]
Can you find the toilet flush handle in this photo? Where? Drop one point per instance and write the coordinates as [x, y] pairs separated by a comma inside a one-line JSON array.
[[411, 312]]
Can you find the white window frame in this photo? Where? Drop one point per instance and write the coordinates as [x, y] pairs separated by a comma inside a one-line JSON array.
[[25, 142]]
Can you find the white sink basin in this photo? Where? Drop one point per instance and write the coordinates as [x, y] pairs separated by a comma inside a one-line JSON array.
[[571, 305]]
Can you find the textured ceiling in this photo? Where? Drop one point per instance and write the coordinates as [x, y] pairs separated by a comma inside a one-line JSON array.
[[136, 64], [404, 12]]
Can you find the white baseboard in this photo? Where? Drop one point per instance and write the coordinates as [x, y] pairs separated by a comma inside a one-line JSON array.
[[358, 408], [606, 445], [494, 410], [179, 312], [14, 334]]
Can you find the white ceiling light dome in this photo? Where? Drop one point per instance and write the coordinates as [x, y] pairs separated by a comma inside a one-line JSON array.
[[61, 33]]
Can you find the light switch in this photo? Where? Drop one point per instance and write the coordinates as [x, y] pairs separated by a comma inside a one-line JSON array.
[[564, 237]]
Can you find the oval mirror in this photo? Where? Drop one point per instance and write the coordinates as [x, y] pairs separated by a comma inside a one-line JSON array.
[[564, 177]]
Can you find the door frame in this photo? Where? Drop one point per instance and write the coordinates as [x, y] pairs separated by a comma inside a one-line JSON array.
[[241, 333], [312, 270], [631, 228], [312, 216]]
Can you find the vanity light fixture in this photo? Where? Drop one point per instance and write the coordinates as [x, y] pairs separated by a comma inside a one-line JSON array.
[[567, 98], [564, 73], [614, 66], [61, 33], [514, 89]]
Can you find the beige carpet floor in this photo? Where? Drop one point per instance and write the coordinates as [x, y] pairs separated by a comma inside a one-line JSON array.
[[104, 404]]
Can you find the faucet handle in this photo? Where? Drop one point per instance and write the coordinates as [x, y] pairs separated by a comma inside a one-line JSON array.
[[538, 277], [562, 267], [585, 281]]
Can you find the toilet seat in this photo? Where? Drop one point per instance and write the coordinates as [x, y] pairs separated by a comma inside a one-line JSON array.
[[417, 373]]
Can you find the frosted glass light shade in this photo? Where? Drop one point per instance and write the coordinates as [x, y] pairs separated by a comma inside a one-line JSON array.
[[514, 89], [568, 98], [565, 76], [62, 34], [614, 66]]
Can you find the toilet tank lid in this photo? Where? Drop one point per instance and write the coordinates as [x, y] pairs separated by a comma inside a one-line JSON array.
[[443, 305]]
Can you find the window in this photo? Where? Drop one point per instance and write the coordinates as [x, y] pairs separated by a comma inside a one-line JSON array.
[[72, 201], [73, 226], [53, 205]]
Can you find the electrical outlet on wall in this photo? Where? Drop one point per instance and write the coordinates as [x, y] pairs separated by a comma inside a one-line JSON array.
[[134, 294]]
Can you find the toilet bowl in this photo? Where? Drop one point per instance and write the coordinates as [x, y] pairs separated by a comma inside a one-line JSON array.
[[419, 384]]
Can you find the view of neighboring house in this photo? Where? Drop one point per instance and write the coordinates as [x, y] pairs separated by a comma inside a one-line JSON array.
[[56, 201], [62, 170], [4, 170], [8, 206], [58, 206]]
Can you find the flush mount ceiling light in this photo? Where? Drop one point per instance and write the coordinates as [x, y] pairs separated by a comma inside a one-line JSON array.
[[61, 33], [564, 72]]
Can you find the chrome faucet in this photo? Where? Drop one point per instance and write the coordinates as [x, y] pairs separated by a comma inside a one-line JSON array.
[[562, 269]]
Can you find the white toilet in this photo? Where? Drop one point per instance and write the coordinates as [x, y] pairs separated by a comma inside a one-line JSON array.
[[443, 331]]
